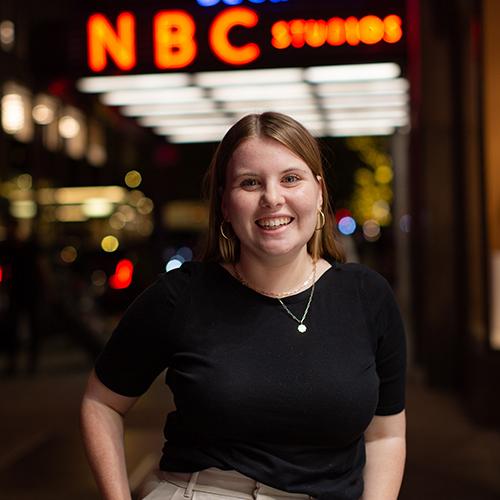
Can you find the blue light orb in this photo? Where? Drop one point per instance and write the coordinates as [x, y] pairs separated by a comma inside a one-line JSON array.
[[186, 253], [207, 3], [173, 264], [347, 225]]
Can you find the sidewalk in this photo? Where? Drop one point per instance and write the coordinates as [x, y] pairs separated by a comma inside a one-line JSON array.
[[41, 456]]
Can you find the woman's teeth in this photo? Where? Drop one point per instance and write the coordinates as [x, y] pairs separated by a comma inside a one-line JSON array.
[[274, 223]]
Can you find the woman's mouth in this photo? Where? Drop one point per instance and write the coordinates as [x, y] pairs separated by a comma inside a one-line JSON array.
[[272, 223]]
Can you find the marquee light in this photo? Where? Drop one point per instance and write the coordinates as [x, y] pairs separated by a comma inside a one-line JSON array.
[[339, 100], [175, 43], [219, 31], [211, 3], [103, 39], [336, 31]]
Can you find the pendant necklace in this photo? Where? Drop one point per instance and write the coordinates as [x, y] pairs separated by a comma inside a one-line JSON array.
[[301, 328]]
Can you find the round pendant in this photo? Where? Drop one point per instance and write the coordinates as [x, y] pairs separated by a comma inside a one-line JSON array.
[[302, 328]]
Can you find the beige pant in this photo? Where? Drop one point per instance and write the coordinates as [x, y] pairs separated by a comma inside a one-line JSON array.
[[213, 484]]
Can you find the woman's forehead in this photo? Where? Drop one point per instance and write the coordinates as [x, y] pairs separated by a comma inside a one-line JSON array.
[[264, 153]]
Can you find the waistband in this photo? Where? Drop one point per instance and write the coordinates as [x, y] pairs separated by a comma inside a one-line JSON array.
[[226, 482]]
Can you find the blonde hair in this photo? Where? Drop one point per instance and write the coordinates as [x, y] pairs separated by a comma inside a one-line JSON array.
[[299, 141]]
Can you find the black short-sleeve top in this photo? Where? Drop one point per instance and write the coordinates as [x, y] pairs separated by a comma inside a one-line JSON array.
[[253, 394]]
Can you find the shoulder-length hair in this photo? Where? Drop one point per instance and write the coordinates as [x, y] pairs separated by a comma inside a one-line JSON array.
[[221, 243]]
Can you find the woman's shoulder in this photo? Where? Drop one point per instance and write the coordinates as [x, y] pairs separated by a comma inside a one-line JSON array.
[[371, 282], [184, 273]]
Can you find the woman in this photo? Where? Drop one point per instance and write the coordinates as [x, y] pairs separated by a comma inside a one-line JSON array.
[[287, 366]]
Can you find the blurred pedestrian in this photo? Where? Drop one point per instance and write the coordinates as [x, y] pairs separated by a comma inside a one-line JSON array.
[[286, 364], [20, 295]]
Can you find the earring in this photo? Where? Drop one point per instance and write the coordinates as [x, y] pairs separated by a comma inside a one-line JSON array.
[[221, 229], [322, 220]]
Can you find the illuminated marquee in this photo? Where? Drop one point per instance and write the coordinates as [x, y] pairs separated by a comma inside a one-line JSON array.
[[211, 3], [175, 39]]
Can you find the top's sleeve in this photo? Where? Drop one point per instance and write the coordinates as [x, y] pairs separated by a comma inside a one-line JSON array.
[[139, 348], [390, 348]]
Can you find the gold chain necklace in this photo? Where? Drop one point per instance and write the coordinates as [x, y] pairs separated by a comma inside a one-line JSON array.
[[301, 327], [276, 295]]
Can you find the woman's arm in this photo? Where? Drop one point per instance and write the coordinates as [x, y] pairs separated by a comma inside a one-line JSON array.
[[102, 414], [385, 457]]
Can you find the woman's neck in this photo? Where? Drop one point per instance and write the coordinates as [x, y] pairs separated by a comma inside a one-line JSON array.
[[276, 275]]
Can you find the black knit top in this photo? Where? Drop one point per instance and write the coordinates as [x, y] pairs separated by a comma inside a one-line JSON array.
[[253, 394]]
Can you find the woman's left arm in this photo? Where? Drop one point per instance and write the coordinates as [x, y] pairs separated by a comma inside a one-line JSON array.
[[385, 446]]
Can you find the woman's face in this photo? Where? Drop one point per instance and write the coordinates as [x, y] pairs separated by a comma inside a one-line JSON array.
[[271, 199]]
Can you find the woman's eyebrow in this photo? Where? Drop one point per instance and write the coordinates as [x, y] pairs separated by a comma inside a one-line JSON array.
[[244, 173], [294, 169], [254, 174]]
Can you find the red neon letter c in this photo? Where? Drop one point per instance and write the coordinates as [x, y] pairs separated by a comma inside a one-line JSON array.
[[219, 31]]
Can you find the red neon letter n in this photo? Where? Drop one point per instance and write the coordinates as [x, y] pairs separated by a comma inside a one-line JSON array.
[[119, 44]]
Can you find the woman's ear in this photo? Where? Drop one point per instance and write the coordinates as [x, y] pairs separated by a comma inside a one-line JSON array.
[[320, 198]]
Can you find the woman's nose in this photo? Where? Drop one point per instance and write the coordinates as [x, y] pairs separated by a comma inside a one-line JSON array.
[[272, 195]]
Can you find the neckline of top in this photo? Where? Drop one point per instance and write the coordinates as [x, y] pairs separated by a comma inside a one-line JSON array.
[[291, 299]]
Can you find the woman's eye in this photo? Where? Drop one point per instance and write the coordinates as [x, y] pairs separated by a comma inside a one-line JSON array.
[[249, 183], [291, 178]]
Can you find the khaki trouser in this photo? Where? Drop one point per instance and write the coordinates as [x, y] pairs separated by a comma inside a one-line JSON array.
[[213, 484]]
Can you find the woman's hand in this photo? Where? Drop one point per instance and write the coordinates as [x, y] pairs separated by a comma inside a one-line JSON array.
[[385, 445], [101, 416]]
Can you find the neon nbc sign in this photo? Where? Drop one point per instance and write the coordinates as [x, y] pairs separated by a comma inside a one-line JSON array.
[[176, 39]]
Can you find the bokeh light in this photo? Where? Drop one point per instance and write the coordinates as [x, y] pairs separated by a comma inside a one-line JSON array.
[[69, 254], [145, 228], [145, 206], [363, 176], [380, 210], [405, 223], [347, 225], [7, 34], [42, 114], [173, 264], [24, 181], [133, 179], [68, 127], [384, 174], [117, 221], [98, 277], [371, 230], [110, 243], [12, 113], [186, 253]]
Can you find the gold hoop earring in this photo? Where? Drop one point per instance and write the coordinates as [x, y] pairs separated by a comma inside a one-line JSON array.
[[223, 234], [322, 220]]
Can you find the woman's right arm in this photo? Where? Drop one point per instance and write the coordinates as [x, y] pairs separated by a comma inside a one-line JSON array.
[[101, 415]]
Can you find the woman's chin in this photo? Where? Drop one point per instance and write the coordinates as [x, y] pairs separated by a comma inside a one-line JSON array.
[[275, 249]]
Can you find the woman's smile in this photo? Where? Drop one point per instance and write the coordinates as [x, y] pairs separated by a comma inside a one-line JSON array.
[[273, 223]]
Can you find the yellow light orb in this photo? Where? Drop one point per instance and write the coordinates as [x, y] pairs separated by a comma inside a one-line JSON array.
[[110, 243], [386, 193], [384, 174], [24, 181], [363, 176], [380, 210], [133, 179]]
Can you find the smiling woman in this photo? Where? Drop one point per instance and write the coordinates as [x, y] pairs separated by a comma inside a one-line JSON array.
[[270, 159], [271, 199], [287, 366]]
